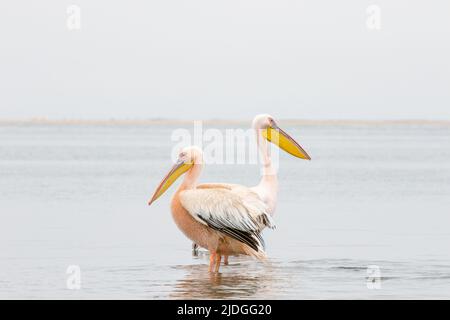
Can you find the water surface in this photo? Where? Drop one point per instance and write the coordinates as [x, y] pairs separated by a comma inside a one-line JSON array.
[[374, 195]]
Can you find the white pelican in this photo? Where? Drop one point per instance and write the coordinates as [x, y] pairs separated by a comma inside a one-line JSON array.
[[265, 129], [226, 219]]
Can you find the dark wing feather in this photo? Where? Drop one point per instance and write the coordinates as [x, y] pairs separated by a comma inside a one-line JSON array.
[[252, 239]]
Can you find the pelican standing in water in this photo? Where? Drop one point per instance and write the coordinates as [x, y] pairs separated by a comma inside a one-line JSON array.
[[226, 219], [265, 129]]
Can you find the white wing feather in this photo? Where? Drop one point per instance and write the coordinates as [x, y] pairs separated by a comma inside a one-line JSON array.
[[237, 212]]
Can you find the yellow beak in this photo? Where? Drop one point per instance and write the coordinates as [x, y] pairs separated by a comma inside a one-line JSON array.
[[177, 170], [277, 136]]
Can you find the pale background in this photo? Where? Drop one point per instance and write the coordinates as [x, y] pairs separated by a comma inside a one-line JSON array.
[[202, 59]]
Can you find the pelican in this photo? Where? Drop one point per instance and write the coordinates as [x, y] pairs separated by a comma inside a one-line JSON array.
[[227, 219], [266, 129]]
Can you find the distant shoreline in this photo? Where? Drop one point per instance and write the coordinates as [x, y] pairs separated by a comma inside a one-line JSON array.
[[127, 122]]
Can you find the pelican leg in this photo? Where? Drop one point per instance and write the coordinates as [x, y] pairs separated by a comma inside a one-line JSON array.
[[212, 261], [194, 249], [225, 260], [218, 259]]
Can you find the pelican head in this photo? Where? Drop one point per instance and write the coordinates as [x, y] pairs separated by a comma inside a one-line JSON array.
[[266, 125], [187, 158]]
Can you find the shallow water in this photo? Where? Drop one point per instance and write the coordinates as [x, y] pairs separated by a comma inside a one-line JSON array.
[[374, 195]]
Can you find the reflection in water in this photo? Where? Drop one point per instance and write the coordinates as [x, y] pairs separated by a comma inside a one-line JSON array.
[[326, 278], [243, 278]]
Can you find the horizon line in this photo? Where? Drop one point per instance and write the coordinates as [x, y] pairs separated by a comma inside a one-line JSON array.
[[168, 121]]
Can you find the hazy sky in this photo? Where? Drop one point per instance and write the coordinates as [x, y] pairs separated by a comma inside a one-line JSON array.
[[199, 59]]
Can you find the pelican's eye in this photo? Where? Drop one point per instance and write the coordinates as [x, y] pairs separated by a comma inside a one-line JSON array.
[[272, 122]]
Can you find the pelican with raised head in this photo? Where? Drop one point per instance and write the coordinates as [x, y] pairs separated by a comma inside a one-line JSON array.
[[266, 129]]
